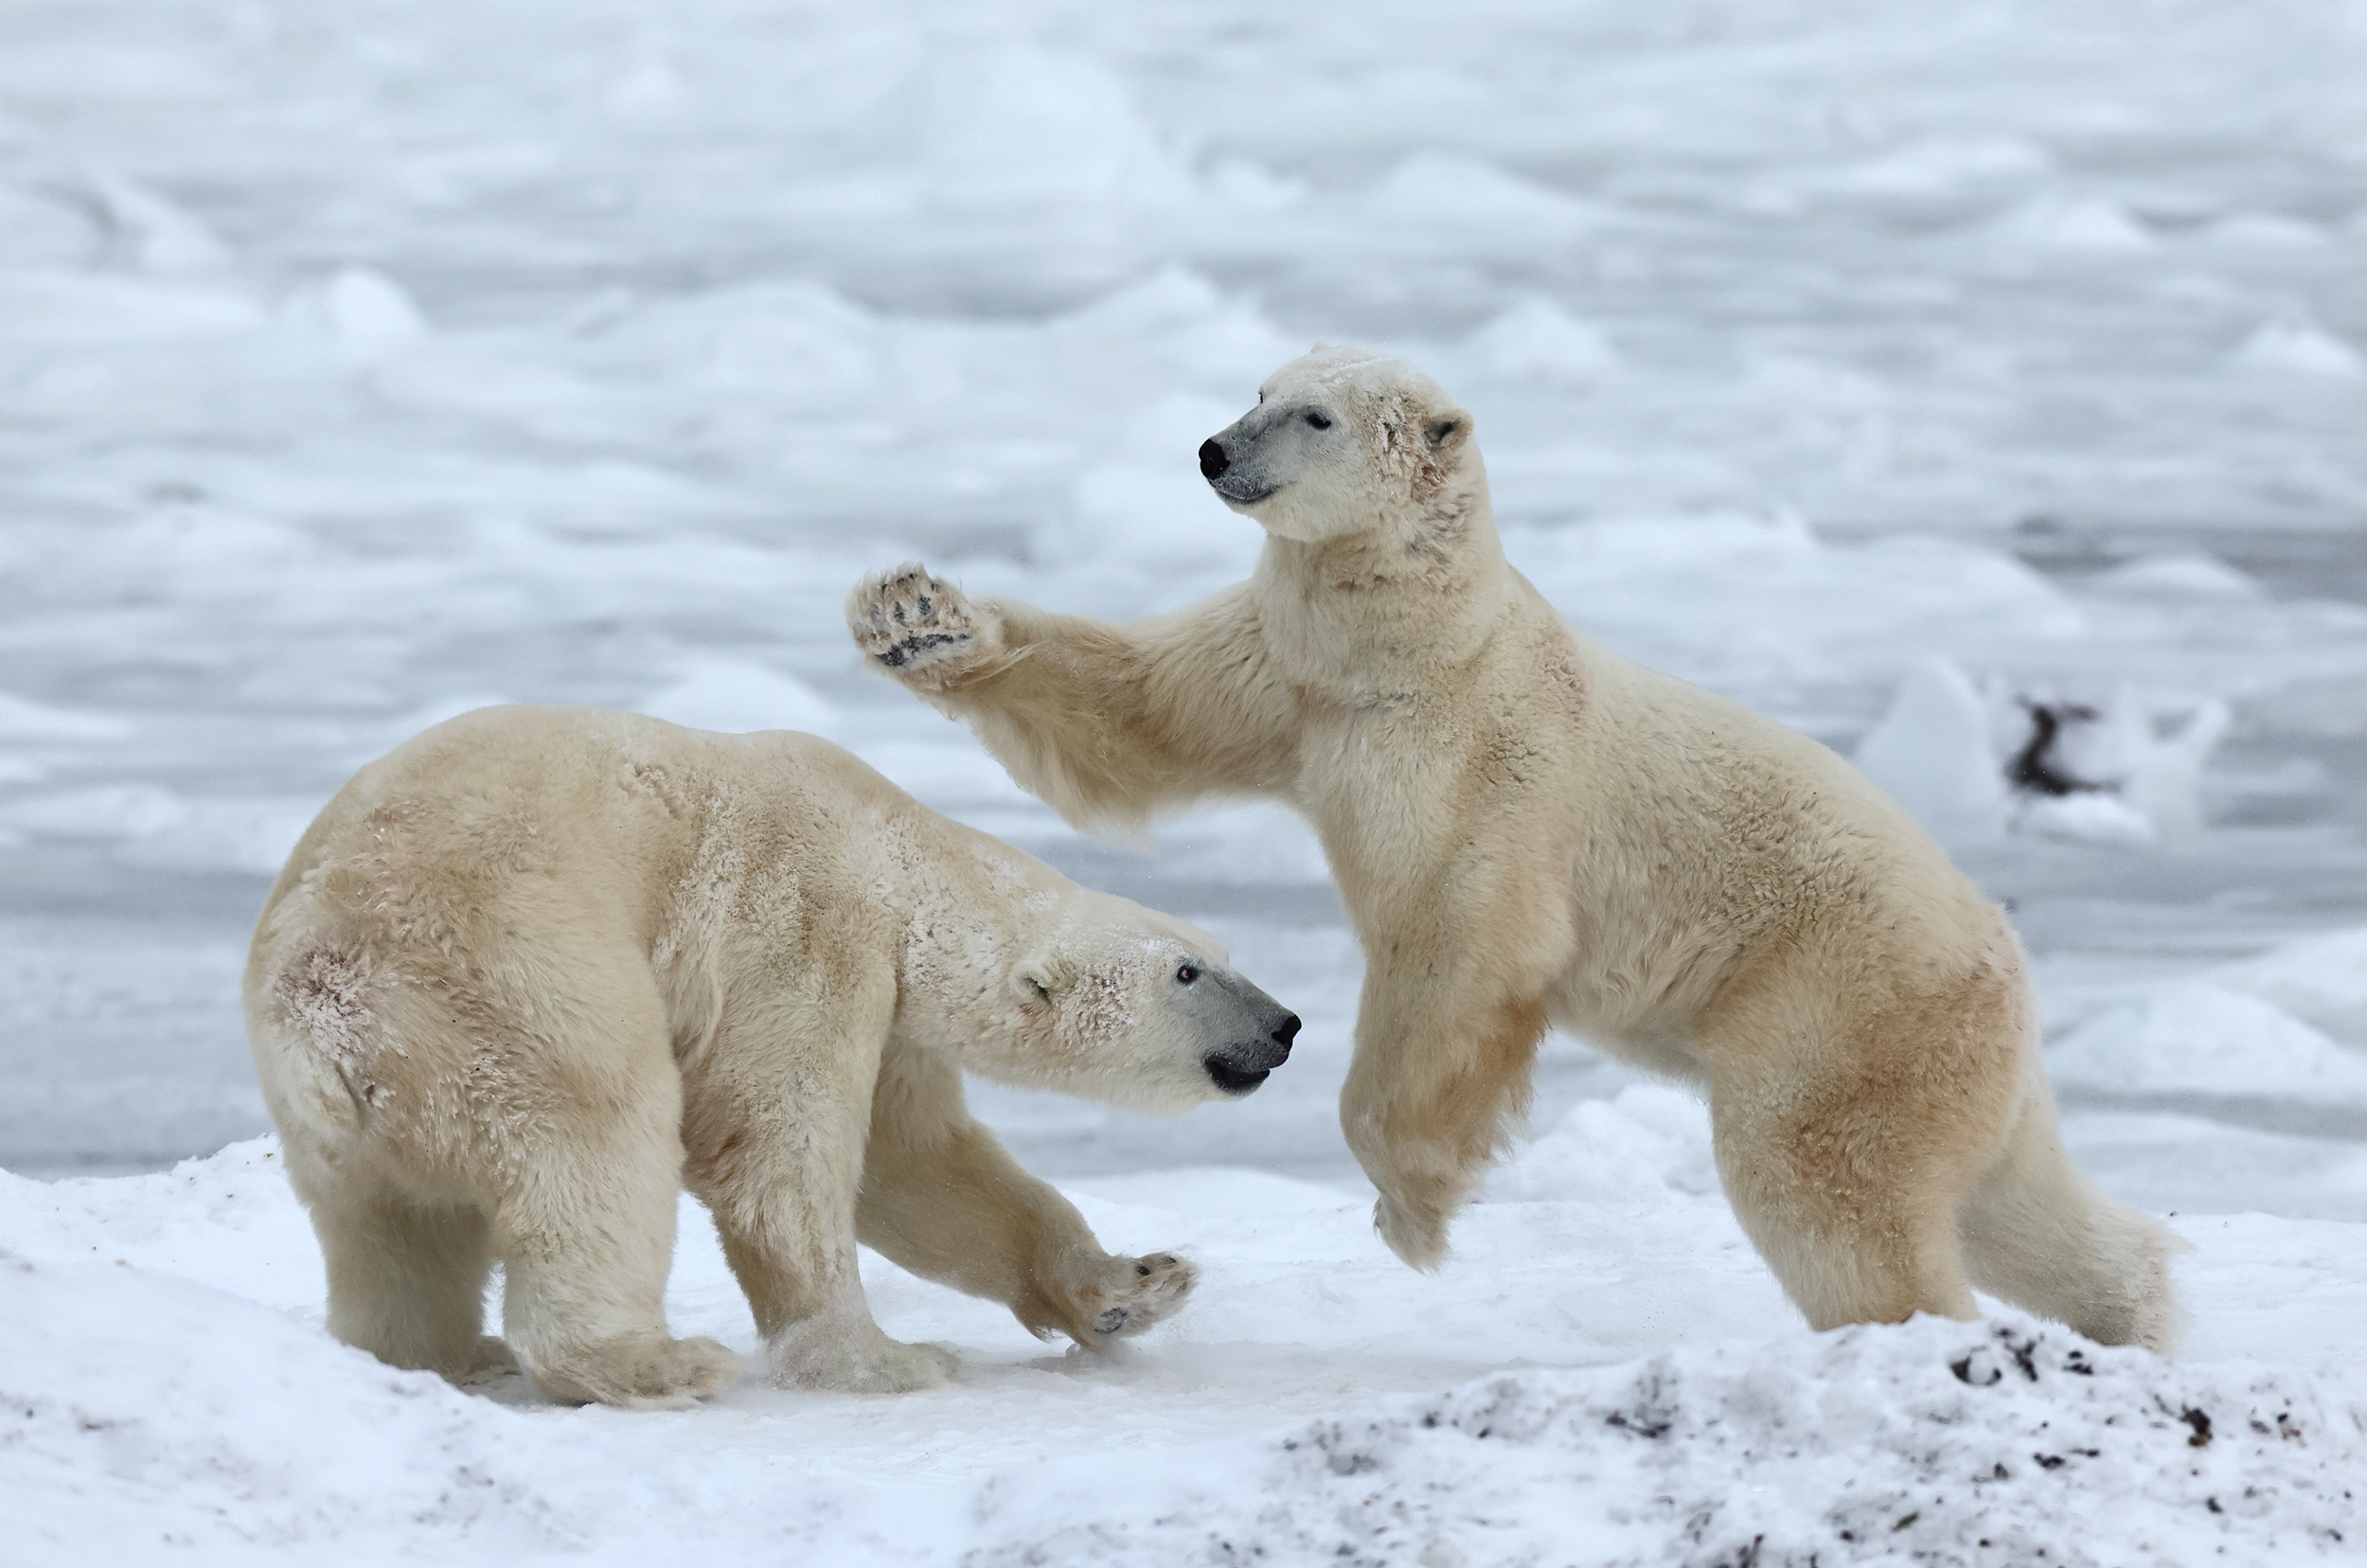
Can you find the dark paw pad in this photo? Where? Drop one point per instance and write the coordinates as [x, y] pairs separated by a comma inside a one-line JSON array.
[[1112, 1320], [910, 649]]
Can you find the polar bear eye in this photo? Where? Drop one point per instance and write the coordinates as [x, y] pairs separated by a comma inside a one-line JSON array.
[[1320, 419], [1186, 975]]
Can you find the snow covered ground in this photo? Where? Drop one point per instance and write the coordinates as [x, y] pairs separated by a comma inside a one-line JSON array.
[[1893, 370], [1602, 1376]]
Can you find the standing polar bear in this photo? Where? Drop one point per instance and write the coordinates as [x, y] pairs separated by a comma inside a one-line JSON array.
[[530, 973], [1527, 829]]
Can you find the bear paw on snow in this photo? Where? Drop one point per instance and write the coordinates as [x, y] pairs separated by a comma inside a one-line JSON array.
[[637, 1372], [842, 1349]]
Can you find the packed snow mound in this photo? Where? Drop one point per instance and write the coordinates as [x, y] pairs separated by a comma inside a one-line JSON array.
[[1930, 1442], [122, 1433], [1931, 751], [24, 721], [364, 315], [148, 826], [2323, 979], [168, 1380], [1537, 341], [2303, 348], [1756, 602]]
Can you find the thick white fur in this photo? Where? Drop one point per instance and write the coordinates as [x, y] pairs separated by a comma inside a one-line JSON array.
[[1527, 827], [530, 973]]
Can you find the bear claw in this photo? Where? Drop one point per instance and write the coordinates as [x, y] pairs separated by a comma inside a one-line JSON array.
[[1147, 1290]]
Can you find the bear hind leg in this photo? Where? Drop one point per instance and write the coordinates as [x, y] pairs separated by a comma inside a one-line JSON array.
[[2038, 1234], [1856, 1227], [587, 1254], [406, 1281], [584, 1221]]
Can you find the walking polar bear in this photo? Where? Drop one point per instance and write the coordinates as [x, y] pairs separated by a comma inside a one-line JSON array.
[[530, 973], [1527, 829]]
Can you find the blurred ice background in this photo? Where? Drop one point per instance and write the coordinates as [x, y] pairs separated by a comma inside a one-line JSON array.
[[1982, 390]]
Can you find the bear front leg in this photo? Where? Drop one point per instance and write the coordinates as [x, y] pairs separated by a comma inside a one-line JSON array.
[[774, 1130], [1440, 1074], [942, 1197], [1107, 724]]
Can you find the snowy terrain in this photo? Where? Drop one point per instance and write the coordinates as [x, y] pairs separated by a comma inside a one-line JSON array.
[[1605, 1376], [1900, 371]]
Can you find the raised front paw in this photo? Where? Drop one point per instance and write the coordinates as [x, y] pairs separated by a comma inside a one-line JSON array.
[[1421, 1180], [919, 628]]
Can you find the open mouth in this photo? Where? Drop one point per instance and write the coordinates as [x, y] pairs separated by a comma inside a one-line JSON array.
[[1235, 1081]]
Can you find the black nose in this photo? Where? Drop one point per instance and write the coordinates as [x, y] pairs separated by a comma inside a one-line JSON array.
[[1212, 459], [1287, 1030]]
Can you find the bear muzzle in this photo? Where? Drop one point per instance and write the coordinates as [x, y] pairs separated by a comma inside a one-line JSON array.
[[1239, 1069], [1238, 485]]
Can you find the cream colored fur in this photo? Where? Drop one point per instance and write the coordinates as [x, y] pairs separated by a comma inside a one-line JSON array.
[[538, 968], [1528, 828]]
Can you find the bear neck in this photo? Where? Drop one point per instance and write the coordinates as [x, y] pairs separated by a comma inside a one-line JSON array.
[[968, 923], [1381, 611]]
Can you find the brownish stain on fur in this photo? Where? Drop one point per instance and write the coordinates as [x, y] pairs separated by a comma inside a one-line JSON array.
[[324, 993]]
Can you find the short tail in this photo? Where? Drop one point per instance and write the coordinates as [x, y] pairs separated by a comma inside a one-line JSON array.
[[312, 1022]]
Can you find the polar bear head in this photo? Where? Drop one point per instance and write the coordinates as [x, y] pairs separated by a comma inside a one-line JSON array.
[[1345, 441], [1122, 1004]]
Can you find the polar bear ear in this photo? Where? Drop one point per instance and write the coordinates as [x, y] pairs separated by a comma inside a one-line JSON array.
[[1041, 977], [1449, 430]]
